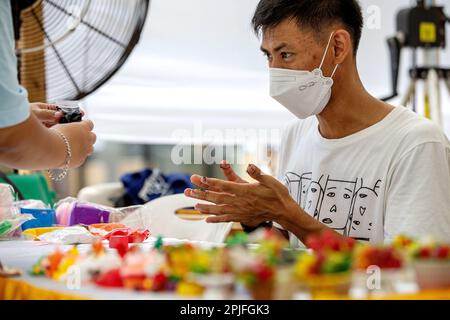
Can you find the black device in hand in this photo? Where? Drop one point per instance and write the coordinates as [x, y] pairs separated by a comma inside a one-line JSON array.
[[71, 112]]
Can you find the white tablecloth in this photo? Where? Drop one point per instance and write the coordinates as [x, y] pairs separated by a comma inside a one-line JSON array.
[[24, 254]]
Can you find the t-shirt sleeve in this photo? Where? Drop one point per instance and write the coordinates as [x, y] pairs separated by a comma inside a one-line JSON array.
[[14, 107], [418, 195]]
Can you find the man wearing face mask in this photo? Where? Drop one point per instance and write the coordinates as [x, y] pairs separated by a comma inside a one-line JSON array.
[[351, 163]]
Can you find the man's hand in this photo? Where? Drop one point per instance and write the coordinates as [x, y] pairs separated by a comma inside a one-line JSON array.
[[47, 114], [253, 203], [229, 173], [239, 201]]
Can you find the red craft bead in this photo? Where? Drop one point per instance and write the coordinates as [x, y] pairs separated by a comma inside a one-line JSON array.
[[120, 243]]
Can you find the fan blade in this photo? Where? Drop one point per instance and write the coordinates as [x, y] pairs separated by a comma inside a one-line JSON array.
[[58, 55], [102, 33]]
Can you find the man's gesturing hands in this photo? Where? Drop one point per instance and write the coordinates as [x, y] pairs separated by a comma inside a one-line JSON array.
[[236, 200]]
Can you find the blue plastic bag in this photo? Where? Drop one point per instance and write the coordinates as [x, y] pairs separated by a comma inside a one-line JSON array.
[[147, 185]]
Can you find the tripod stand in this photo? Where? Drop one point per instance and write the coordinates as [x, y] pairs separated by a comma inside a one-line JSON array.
[[421, 28], [432, 77]]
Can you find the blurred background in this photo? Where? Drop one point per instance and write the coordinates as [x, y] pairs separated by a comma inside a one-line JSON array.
[[196, 78]]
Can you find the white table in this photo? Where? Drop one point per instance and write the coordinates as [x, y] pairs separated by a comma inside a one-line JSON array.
[[24, 254]]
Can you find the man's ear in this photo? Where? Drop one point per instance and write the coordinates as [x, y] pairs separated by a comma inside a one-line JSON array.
[[342, 45]]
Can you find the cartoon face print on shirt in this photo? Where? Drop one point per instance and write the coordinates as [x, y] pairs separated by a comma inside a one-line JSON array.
[[297, 186], [361, 224], [336, 208], [313, 199]]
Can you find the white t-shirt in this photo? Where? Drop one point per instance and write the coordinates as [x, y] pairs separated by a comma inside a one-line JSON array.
[[391, 178]]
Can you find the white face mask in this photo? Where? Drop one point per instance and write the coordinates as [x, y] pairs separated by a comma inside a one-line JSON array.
[[304, 93]]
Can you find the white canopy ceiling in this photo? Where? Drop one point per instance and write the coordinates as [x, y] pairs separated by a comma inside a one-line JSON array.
[[198, 65]]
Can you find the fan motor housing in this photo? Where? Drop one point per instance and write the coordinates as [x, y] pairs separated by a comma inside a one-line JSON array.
[[24, 4]]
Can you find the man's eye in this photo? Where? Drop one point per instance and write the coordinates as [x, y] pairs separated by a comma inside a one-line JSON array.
[[267, 55], [286, 55]]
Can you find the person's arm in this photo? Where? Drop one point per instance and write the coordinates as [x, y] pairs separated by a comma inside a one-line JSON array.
[[300, 223], [30, 145]]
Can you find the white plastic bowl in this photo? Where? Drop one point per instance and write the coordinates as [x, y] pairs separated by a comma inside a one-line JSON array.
[[432, 274]]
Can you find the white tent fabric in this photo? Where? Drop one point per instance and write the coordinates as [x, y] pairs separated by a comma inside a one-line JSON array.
[[198, 65]]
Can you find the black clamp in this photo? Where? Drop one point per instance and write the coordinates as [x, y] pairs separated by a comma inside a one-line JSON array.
[[422, 73], [267, 225]]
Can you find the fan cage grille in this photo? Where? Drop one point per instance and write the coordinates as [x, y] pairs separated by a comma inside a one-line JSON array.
[[73, 64]]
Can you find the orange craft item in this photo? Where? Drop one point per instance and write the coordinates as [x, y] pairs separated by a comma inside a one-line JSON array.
[[134, 235], [108, 226], [102, 229]]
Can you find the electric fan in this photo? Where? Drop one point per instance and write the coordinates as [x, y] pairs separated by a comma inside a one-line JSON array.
[[67, 49]]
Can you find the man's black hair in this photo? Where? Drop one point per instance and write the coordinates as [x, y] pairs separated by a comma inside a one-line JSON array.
[[314, 15]]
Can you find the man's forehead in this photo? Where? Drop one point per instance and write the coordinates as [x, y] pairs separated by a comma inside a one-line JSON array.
[[287, 33]]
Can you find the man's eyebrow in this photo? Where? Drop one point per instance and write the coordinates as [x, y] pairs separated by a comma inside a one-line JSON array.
[[348, 190], [281, 46], [331, 188], [264, 50]]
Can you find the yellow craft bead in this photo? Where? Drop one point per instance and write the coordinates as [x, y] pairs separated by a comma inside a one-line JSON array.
[[148, 284], [189, 289], [304, 264]]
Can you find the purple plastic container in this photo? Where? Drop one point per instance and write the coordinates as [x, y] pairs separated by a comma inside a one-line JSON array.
[[86, 214]]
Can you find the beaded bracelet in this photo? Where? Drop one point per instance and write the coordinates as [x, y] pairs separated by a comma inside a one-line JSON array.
[[65, 169]]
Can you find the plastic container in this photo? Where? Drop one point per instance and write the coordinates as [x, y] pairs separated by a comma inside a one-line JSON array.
[[87, 214], [329, 286], [43, 218], [74, 213], [432, 274], [36, 232]]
